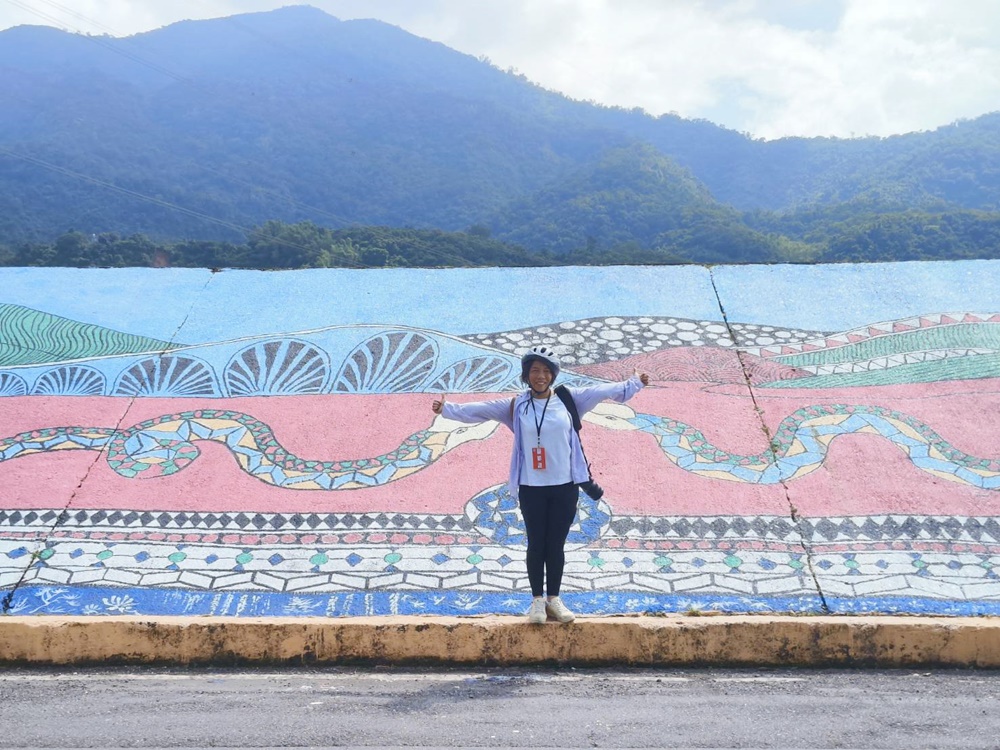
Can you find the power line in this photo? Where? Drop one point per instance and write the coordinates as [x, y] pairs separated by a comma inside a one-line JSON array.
[[37, 108], [246, 231], [287, 199], [180, 78], [196, 84], [71, 12], [102, 43]]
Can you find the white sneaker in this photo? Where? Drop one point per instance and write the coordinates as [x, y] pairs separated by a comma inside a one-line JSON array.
[[536, 612], [555, 609]]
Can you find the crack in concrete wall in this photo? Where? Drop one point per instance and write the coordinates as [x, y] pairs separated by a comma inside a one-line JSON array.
[[771, 447], [8, 600]]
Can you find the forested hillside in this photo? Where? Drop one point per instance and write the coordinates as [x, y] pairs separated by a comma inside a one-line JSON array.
[[204, 132]]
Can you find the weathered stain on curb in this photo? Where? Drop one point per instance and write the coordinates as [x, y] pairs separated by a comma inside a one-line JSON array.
[[634, 641]]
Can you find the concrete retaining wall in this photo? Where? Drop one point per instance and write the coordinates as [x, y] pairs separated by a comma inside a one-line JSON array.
[[644, 641], [244, 444]]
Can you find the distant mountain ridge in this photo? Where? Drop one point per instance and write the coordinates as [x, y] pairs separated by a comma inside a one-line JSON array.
[[295, 115]]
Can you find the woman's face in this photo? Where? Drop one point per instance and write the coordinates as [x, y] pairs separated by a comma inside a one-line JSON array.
[[539, 376]]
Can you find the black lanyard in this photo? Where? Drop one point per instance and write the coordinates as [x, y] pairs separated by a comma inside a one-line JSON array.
[[539, 423]]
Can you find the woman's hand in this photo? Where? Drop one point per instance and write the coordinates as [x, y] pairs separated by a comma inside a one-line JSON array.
[[643, 377], [437, 406]]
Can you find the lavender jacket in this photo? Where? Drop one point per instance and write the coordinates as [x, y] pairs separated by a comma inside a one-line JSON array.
[[499, 410]]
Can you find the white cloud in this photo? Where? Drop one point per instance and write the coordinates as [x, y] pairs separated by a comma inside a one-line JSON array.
[[768, 67]]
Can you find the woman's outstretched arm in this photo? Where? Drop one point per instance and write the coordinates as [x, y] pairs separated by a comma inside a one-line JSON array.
[[497, 410], [590, 396]]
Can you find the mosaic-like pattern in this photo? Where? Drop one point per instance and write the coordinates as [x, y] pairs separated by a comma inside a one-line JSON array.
[[186, 466], [661, 562], [166, 445], [801, 441], [594, 340]]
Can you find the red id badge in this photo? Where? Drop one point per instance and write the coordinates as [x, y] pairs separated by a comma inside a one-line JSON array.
[[538, 458]]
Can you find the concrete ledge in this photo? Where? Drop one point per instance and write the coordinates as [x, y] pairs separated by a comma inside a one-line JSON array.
[[634, 641]]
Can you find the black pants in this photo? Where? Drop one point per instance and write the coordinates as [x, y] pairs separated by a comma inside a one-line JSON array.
[[548, 513]]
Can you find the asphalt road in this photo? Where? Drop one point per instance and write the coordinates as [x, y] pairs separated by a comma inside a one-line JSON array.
[[504, 708]]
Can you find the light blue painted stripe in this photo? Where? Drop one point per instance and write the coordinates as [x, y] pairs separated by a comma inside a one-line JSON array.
[[254, 461], [154, 302], [199, 430], [934, 464], [853, 423], [969, 476], [797, 461], [141, 301], [304, 479], [846, 296], [410, 462], [476, 300], [687, 460], [772, 475], [364, 479], [825, 429], [341, 481], [747, 475]]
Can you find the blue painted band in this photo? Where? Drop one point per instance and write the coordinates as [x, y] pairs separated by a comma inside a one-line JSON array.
[[55, 600]]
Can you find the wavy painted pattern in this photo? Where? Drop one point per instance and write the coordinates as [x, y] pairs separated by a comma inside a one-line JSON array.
[[34, 337], [925, 349], [165, 445], [800, 445], [46, 355], [943, 337], [966, 367]]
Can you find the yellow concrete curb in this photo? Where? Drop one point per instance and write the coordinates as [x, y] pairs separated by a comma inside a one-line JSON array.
[[636, 641]]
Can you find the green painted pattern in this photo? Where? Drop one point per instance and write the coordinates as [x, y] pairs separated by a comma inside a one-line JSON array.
[[33, 337], [958, 336], [971, 367]]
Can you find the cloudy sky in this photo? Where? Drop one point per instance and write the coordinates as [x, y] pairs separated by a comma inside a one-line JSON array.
[[770, 68]]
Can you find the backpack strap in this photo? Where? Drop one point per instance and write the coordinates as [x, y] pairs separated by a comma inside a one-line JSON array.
[[567, 398], [512, 408]]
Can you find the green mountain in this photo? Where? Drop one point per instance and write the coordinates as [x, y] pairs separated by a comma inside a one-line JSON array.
[[201, 131], [634, 197]]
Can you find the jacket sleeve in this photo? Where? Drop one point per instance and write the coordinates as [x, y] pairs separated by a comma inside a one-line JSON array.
[[497, 410], [589, 397]]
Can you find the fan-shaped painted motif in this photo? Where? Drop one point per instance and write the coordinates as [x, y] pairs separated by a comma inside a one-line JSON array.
[[513, 384], [70, 380], [392, 362], [573, 380], [12, 385], [168, 376], [476, 374], [280, 366]]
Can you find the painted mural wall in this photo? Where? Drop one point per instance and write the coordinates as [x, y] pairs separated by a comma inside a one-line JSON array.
[[817, 439]]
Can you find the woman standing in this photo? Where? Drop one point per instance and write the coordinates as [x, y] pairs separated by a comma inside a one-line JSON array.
[[546, 465]]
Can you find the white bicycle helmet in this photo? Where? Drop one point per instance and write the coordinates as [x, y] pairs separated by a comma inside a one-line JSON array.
[[541, 353]]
